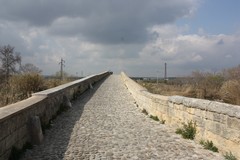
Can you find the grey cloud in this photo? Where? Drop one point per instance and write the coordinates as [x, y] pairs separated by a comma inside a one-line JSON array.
[[10, 35], [105, 21], [106, 34]]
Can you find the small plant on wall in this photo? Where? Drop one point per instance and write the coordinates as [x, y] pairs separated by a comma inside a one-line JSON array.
[[188, 131], [154, 117], [209, 145], [144, 111], [162, 121], [229, 156]]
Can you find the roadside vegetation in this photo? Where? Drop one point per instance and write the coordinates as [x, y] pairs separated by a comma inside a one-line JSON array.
[[18, 82], [188, 130], [223, 86], [208, 145]]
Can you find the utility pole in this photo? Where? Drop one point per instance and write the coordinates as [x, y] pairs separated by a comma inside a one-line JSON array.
[[61, 68], [165, 72]]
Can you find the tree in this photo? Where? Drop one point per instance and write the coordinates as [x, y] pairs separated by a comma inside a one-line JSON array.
[[30, 68], [207, 84], [9, 59]]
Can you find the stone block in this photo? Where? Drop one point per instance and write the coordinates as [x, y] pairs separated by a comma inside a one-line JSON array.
[[3, 129], [233, 123], [2, 147], [231, 134], [214, 127], [223, 108], [199, 121], [21, 119], [22, 132], [199, 112], [220, 118], [209, 115], [10, 140]]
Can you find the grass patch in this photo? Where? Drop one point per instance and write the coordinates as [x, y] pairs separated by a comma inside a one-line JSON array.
[[188, 131], [229, 156], [155, 118], [209, 145]]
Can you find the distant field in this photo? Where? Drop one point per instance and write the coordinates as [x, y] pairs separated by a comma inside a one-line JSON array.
[[216, 87], [172, 87]]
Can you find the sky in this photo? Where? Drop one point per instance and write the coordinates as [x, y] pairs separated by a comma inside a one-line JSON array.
[[135, 36]]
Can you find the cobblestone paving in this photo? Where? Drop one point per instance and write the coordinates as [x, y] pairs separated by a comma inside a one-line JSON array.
[[105, 124]]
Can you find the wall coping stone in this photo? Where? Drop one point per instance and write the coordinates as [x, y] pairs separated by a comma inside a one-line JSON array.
[[213, 106], [15, 108], [62, 87]]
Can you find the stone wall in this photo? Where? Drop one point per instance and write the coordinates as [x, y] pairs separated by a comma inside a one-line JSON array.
[[15, 117], [218, 122]]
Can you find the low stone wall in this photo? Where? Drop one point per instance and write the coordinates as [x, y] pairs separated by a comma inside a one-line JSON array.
[[218, 122], [14, 118]]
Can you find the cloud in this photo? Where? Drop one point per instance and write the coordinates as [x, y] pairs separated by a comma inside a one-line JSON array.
[[105, 21], [191, 51], [136, 36]]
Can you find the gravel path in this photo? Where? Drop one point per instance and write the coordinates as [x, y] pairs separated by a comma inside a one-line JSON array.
[[105, 124]]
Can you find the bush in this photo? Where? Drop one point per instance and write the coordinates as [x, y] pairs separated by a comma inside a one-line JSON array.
[[209, 145], [154, 117], [26, 84], [20, 87], [54, 82], [188, 131], [145, 111], [230, 92]]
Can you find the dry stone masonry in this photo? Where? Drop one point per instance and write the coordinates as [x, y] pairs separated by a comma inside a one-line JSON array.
[[105, 123], [14, 119], [218, 122]]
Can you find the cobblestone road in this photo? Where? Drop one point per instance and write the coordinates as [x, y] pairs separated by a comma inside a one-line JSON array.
[[105, 124]]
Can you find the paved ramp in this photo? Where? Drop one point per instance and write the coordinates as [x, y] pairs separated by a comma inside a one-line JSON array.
[[105, 124]]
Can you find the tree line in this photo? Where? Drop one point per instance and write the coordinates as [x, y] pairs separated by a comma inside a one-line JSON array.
[[18, 81]]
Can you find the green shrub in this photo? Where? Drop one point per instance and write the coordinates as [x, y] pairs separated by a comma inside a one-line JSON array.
[[188, 131], [229, 156], [209, 145], [144, 111], [154, 117]]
